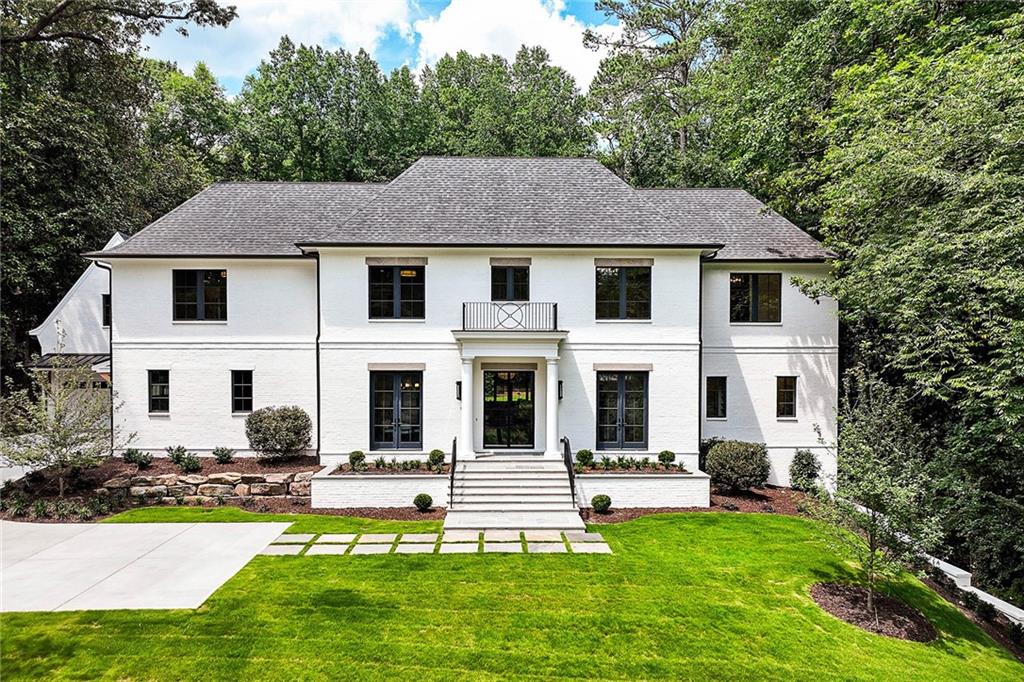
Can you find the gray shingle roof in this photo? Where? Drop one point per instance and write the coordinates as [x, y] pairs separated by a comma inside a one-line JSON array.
[[501, 201], [748, 228], [248, 219], [471, 201]]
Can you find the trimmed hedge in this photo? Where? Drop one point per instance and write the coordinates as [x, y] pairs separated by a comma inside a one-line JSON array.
[[423, 502], [738, 465], [804, 471], [601, 503], [278, 432]]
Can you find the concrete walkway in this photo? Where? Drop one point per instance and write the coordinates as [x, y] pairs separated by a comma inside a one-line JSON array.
[[499, 541], [75, 566]]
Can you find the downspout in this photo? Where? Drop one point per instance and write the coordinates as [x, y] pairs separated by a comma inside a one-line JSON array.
[[700, 355], [110, 344], [316, 255]]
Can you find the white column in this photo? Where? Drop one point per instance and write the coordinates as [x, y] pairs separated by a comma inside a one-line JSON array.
[[551, 423], [466, 430]]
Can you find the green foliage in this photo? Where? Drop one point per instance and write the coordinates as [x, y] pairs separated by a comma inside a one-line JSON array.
[[436, 459], [585, 458], [223, 455], [804, 470], [278, 432], [601, 503], [423, 502], [176, 453], [666, 458], [137, 457], [737, 465], [190, 463], [357, 460]]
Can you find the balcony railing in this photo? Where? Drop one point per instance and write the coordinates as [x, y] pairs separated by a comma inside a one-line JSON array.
[[487, 316]]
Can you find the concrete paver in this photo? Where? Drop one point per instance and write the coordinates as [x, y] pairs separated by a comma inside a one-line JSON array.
[[336, 537]]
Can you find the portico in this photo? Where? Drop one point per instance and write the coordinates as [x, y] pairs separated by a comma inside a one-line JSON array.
[[509, 392]]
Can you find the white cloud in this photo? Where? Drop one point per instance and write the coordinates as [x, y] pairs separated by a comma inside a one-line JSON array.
[[502, 26], [236, 50]]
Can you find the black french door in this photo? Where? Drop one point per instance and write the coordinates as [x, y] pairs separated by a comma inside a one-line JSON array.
[[622, 410], [396, 410], [508, 409]]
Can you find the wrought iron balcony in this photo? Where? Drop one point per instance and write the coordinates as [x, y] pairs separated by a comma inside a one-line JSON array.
[[486, 316]]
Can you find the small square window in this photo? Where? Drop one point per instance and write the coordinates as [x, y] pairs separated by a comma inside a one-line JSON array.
[[755, 297], [397, 291], [715, 395], [623, 293], [241, 390], [785, 397], [200, 295], [510, 283]]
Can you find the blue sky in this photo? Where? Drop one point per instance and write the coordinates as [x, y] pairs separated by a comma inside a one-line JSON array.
[[395, 32]]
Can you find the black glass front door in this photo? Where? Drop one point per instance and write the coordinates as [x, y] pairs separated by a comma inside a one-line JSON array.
[[396, 400], [508, 409]]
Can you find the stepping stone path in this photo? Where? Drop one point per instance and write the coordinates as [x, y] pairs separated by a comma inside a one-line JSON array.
[[451, 542]]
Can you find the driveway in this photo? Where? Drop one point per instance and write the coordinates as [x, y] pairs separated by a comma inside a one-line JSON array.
[[75, 566]]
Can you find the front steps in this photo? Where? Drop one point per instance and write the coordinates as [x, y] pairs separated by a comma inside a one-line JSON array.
[[525, 492]]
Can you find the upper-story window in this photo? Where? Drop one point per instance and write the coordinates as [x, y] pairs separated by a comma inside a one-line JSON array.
[[755, 297], [159, 390], [510, 283], [201, 295], [715, 395], [397, 292], [785, 397], [623, 293], [105, 298]]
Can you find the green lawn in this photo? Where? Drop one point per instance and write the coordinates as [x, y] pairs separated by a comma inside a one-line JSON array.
[[687, 596]]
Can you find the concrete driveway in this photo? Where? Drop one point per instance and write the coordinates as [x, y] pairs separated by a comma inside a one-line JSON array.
[[76, 566]]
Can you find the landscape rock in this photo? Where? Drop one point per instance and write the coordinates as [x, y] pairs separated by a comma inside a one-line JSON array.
[[118, 482], [242, 490], [165, 479], [101, 492], [267, 488], [142, 480], [148, 491], [225, 478], [180, 490], [168, 501], [252, 478], [278, 478], [192, 479], [300, 488], [196, 499], [304, 476], [214, 490]]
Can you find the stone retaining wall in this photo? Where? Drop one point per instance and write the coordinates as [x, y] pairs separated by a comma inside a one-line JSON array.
[[207, 489]]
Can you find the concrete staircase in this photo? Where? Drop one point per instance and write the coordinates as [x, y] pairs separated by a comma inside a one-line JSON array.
[[519, 491]]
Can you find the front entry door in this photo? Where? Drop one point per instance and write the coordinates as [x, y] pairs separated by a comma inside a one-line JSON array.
[[508, 409]]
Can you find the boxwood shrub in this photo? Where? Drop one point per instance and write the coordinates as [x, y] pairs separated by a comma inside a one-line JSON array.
[[804, 471], [223, 455], [738, 465], [601, 503], [278, 432], [585, 458], [423, 502]]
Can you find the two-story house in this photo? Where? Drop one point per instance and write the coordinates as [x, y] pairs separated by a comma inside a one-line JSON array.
[[503, 302]]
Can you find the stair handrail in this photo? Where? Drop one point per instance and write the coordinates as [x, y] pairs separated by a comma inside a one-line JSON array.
[[567, 459], [451, 475]]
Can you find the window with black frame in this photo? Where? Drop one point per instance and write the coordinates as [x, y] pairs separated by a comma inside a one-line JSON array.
[[623, 293], [241, 390], [397, 291], [715, 395], [785, 397], [200, 295], [622, 410], [755, 297], [396, 410], [159, 390], [105, 301], [510, 283]]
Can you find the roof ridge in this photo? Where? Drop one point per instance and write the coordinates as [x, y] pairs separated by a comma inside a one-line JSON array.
[[509, 156], [298, 182]]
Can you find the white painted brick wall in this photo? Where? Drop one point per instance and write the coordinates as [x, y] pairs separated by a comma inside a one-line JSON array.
[[646, 490], [373, 490]]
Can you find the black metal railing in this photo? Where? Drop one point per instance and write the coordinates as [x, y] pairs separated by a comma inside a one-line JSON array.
[[487, 316], [567, 458], [451, 475]]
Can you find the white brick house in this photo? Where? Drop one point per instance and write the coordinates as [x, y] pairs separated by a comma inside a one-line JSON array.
[[507, 303]]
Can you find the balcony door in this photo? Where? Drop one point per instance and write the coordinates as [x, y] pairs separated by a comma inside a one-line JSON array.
[[508, 409], [396, 419], [622, 410]]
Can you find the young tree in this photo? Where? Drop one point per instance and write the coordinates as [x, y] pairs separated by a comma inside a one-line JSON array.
[[61, 421], [878, 512]]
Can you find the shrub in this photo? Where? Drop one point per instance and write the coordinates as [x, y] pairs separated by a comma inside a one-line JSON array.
[[1017, 633], [380, 463], [666, 457], [606, 463], [985, 611], [137, 457], [970, 600], [804, 471], [436, 459], [585, 458], [703, 449], [278, 432], [190, 463], [175, 453], [223, 455], [423, 502], [40, 509], [601, 503], [357, 460], [737, 465]]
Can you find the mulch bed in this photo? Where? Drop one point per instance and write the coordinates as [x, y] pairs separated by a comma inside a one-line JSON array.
[[769, 500], [895, 618], [43, 484], [659, 470], [996, 630], [277, 505]]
